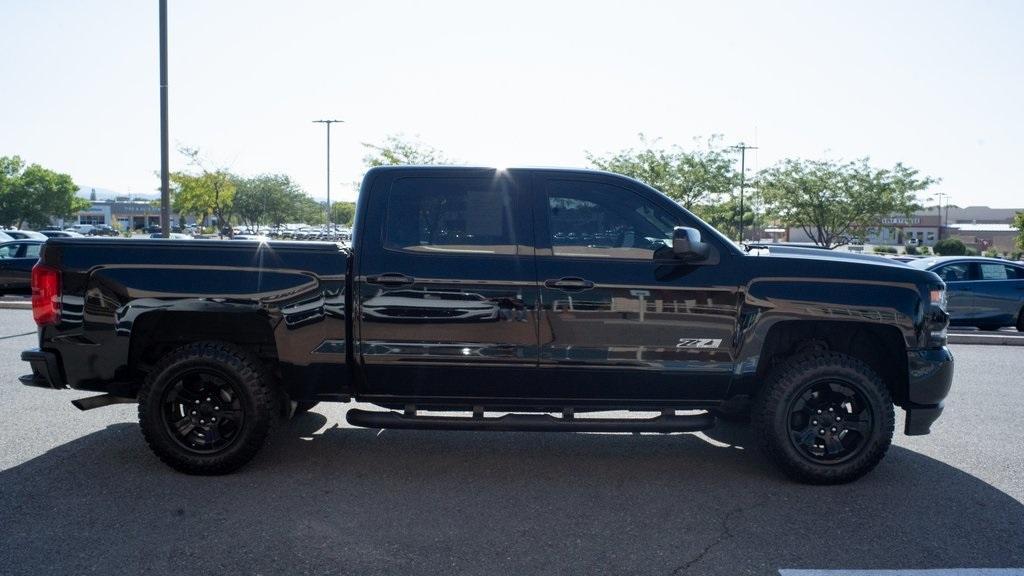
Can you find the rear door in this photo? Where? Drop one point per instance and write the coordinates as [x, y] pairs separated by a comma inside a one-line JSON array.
[[622, 318], [446, 290], [999, 292]]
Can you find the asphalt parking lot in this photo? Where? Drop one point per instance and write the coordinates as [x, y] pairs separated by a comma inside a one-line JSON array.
[[81, 493]]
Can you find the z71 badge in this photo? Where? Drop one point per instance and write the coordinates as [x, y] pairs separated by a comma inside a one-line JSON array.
[[699, 343]]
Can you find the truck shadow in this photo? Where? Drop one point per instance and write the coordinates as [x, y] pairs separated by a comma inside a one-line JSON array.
[[327, 499]]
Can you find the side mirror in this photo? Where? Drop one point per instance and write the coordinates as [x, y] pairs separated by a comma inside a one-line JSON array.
[[686, 244]]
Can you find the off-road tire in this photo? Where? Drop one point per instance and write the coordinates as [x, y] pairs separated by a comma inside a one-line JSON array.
[[771, 416], [257, 395]]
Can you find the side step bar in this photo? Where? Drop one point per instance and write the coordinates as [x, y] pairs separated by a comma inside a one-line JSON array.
[[530, 422], [100, 401]]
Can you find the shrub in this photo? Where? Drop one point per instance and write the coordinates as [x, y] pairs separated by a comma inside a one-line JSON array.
[[912, 250], [992, 253], [885, 249], [950, 247]]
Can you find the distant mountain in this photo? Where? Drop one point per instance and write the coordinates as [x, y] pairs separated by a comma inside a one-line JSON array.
[[107, 194]]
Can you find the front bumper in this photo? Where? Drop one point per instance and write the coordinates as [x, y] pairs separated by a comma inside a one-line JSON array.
[[45, 369], [930, 377]]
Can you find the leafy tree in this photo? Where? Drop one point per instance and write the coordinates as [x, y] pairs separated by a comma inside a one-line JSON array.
[[205, 192], [1018, 223], [33, 195], [950, 247], [704, 175], [265, 199], [343, 213], [831, 200], [723, 214], [310, 211], [397, 149]]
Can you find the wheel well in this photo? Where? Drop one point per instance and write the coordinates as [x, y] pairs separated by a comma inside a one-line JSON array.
[[880, 347], [157, 333]]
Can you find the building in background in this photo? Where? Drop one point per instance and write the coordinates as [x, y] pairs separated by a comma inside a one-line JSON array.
[[124, 213], [979, 227]]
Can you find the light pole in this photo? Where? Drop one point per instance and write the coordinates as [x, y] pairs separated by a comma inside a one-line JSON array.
[[941, 195], [165, 189], [328, 123], [743, 179]]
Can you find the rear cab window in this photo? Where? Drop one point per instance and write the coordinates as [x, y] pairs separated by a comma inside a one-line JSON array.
[[456, 215]]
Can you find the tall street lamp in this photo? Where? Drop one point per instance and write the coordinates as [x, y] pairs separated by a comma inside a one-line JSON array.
[[328, 124]]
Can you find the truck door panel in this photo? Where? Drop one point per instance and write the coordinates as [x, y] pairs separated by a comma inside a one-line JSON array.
[[632, 322], [448, 292]]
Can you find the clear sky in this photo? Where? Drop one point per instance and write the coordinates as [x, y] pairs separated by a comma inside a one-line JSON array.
[[937, 85]]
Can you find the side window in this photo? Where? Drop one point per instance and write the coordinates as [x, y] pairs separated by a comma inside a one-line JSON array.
[[954, 272], [594, 220], [1014, 273], [450, 215], [8, 251], [32, 250], [994, 271]]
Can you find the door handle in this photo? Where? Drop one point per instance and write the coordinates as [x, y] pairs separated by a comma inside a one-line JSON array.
[[391, 279], [571, 284]]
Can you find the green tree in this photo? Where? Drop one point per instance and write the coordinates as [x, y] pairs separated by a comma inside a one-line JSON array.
[[397, 149], [33, 195], [830, 200], [265, 199], [703, 175], [204, 192], [1018, 223], [343, 213]]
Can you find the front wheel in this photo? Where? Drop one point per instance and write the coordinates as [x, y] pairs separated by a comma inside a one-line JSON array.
[[207, 408], [1020, 320], [824, 418]]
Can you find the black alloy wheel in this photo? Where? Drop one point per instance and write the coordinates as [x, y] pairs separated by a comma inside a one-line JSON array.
[[830, 420], [202, 411]]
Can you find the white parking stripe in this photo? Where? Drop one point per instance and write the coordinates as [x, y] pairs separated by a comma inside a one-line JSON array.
[[937, 572]]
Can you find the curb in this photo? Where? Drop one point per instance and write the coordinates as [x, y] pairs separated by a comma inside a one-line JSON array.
[[15, 305], [987, 339]]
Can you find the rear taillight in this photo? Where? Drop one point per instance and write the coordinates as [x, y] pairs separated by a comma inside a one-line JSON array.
[[45, 295]]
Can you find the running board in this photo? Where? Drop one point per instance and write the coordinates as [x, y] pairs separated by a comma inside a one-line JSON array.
[[530, 422], [100, 401]]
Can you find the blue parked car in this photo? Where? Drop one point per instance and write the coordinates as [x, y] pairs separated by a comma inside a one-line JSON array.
[[983, 292]]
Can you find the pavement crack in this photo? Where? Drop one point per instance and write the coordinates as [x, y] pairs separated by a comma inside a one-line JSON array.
[[724, 533]]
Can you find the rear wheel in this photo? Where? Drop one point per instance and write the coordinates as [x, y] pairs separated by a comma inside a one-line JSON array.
[[207, 408], [824, 418]]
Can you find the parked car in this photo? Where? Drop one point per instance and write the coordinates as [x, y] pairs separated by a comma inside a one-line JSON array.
[[171, 236], [983, 292], [25, 235], [251, 237], [83, 229], [103, 230], [60, 233], [455, 299], [16, 261]]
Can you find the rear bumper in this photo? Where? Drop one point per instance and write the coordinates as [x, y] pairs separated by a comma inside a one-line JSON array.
[[45, 369], [930, 377]]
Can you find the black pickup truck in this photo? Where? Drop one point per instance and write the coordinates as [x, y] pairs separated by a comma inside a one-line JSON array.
[[518, 299]]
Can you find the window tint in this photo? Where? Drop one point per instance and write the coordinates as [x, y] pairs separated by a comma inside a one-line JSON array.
[[8, 251], [995, 271], [32, 250], [1014, 273], [954, 272], [589, 219], [450, 215]]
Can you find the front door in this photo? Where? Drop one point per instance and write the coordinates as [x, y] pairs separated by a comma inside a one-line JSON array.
[[959, 291], [446, 291], [622, 319]]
